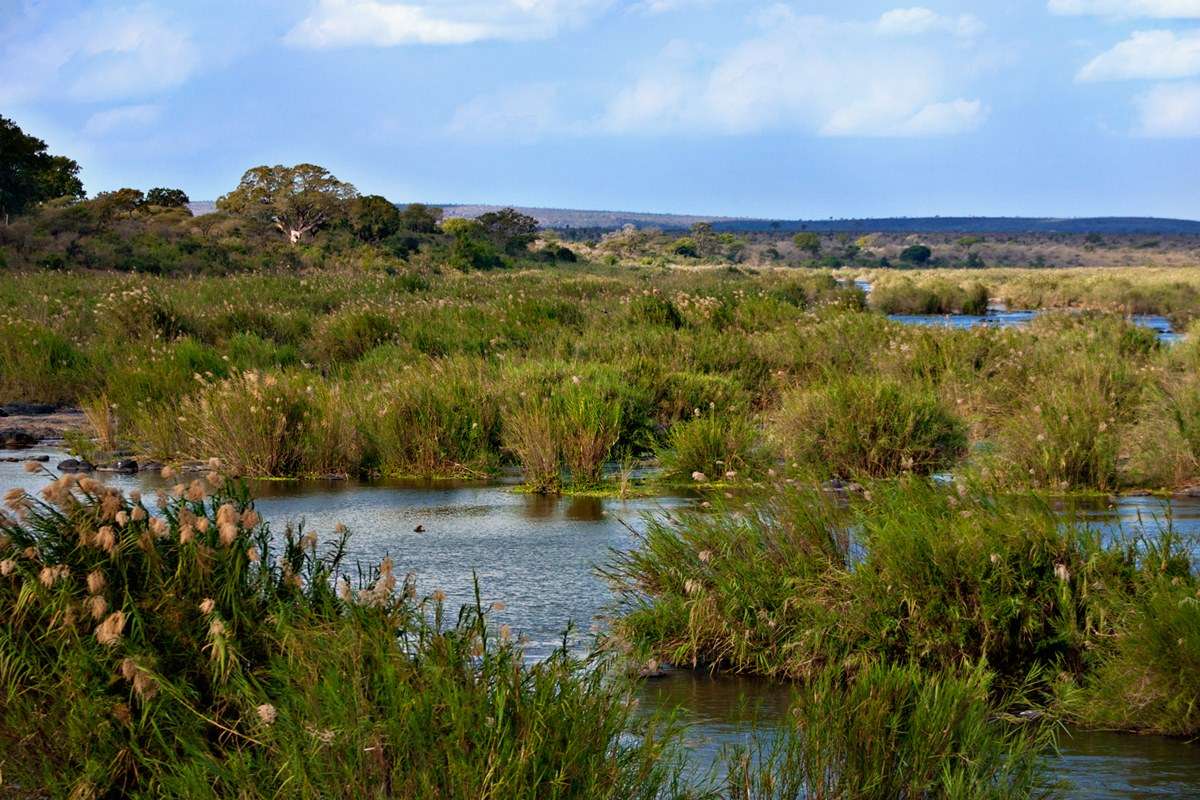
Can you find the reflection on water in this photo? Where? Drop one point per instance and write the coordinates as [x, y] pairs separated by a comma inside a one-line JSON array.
[[537, 554]]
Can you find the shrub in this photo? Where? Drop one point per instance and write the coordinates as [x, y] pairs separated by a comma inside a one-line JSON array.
[[589, 425], [440, 420], [347, 335], [856, 425], [257, 424], [1149, 678], [916, 254]]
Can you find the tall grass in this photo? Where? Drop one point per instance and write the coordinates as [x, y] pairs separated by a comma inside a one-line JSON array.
[[912, 574], [714, 445], [895, 732], [851, 426], [188, 652]]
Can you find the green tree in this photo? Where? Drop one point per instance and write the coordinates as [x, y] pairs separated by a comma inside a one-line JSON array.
[[374, 218], [509, 229], [29, 174], [807, 242], [420, 218], [297, 200], [167, 198], [470, 247], [118, 203], [916, 254]]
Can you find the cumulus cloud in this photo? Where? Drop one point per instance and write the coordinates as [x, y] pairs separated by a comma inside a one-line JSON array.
[[344, 23], [100, 54], [1161, 9], [809, 74], [1169, 111], [919, 20], [1147, 55], [121, 118]]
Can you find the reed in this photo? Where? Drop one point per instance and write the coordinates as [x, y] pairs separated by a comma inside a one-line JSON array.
[[187, 651]]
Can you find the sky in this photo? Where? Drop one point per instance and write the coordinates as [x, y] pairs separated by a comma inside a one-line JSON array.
[[717, 107]]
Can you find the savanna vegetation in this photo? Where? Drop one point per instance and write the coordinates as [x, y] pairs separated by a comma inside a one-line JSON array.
[[934, 617]]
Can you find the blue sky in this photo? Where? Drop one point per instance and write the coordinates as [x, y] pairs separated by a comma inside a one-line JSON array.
[[804, 109]]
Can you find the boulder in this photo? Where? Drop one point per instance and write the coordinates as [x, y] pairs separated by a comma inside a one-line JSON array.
[[16, 438]]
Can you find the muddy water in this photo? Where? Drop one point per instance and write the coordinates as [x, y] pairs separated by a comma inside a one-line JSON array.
[[537, 556]]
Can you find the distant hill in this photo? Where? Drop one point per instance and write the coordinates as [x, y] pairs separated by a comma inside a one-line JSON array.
[[601, 221], [612, 220]]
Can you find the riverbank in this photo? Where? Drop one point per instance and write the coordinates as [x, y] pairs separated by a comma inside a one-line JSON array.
[[570, 375]]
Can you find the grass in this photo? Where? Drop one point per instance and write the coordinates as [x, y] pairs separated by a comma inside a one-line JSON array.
[[913, 574], [186, 651], [374, 375], [858, 426], [893, 731]]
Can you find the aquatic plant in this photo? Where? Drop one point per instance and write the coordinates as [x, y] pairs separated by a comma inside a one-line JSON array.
[[185, 650], [894, 731], [851, 426]]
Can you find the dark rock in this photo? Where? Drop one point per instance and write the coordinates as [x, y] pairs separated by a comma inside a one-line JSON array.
[[16, 438], [28, 409]]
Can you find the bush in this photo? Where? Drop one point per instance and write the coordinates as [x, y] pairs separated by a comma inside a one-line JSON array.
[[347, 335], [192, 654], [850, 426], [1149, 678], [916, 254]]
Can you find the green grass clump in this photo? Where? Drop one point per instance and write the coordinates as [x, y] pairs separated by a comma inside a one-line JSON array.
[[913, 574], [893, 731], [850, 426], [905, 296], [187, 652], [714, 445], [1149, 676]]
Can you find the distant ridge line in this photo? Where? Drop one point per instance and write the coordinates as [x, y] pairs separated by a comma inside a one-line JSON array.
[[601, 221]]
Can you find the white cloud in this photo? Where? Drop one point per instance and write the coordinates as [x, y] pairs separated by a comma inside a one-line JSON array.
[[918, 20], [1169, 111], [1147, 55], [1160, 9], [101, 54], [344, 23], [121, 118], [808, 74]]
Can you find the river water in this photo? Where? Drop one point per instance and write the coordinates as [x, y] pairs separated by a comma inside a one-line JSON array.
[[537, 555]]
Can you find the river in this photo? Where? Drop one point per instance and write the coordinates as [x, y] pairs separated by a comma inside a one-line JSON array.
[[537, 554]]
